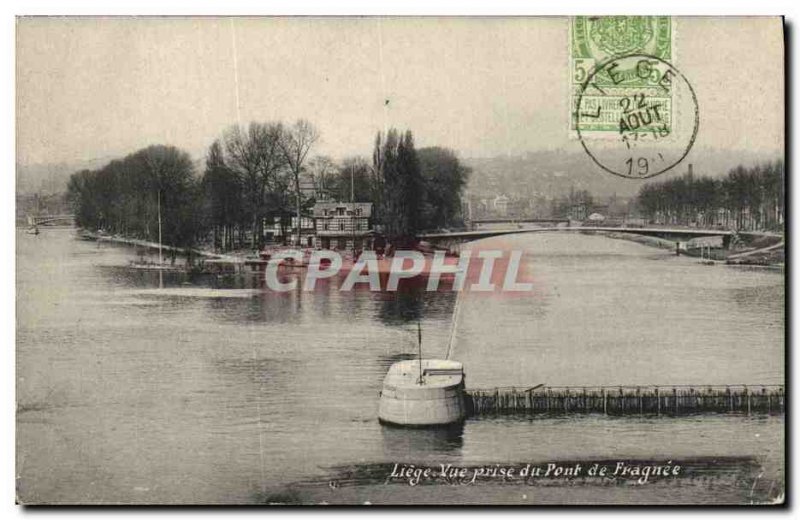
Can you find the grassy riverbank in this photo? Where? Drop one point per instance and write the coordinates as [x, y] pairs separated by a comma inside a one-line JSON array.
[[196, 258], [118, 239]]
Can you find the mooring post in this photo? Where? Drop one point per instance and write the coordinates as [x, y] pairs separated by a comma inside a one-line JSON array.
[[769, 400], [675, 399], [658, 402], [639, 396], [547, 399], [747, 396], [605, 410]]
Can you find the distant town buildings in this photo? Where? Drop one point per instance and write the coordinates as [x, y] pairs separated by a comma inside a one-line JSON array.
[[576, 205], [579, 210]]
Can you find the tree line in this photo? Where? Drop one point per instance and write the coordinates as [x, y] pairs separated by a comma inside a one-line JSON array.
[[126, 196], [264, 175], [746, 199], [252, 176]]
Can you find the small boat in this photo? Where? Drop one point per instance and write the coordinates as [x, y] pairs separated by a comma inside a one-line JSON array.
[[423, 392]]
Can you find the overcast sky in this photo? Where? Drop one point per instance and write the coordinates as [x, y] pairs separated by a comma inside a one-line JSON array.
[[98, 87]]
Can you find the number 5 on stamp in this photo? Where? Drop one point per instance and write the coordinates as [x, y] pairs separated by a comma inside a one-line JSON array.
[[595, 40]]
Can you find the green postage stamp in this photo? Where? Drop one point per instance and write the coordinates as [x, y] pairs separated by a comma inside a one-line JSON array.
[[610, 92]]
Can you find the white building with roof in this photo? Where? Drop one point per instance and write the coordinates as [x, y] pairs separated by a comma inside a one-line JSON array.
[[343, 225]]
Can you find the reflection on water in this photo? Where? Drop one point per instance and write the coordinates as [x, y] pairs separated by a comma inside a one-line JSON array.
[[126, 395], [433, 441]]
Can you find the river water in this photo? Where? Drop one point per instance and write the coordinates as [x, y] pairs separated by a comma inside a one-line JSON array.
[[201, 395]]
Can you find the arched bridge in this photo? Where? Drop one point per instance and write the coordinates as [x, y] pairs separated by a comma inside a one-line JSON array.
[[675, 234]]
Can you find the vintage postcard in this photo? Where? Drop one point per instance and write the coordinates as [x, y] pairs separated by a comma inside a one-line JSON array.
[[400, 260]]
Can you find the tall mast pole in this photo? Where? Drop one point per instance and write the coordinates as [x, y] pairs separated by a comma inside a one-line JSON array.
[[160, 271], [353, 208], [419, 345], [456, 312]]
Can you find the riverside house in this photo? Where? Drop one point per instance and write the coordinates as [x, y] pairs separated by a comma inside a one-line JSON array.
[[343, 225]]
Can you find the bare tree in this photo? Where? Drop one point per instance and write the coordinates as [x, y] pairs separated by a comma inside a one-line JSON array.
[[324, 174], [256, 157], [295, 143]]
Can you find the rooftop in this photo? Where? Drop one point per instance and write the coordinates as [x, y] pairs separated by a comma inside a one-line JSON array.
[[330, 209]]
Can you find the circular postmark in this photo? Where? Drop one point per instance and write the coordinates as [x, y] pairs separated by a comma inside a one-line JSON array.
[[632, 116]]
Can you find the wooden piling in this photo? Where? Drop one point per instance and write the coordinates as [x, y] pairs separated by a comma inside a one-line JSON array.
[[769, 400], [584, 405], [746, 393], [658, 403], [638, 400], [605, 410], [639, 397], [675, 401]]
